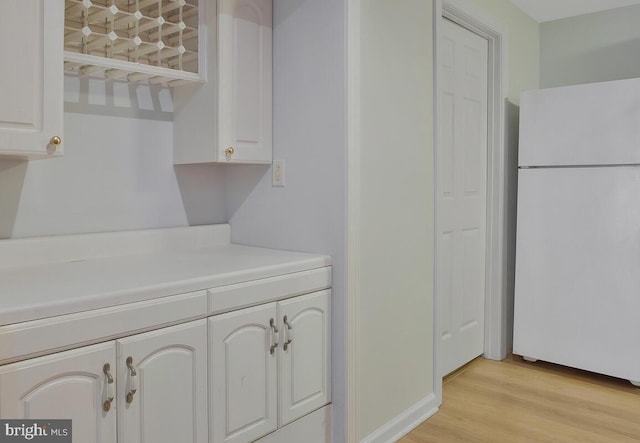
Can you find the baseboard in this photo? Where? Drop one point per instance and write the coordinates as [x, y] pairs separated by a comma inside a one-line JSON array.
[[312, 428], [401, 425]]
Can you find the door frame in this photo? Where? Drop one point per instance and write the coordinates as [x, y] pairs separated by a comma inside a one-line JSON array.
[[496, 339]]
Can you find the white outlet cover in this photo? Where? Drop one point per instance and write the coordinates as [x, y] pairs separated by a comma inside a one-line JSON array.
[[277, 170]]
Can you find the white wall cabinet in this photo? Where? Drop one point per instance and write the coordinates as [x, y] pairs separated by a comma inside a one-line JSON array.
[[90, 385], [229, 119], [31, 109], [269, 365], [149, 40]]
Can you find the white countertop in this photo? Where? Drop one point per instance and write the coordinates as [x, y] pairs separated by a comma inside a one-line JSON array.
[[42, 290]]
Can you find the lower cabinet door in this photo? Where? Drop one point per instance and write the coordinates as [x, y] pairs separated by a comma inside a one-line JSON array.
[[243, 379], [162, 385], [305, 357], [74, 385]]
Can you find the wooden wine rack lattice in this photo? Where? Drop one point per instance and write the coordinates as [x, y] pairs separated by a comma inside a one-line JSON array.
[[149, 40]]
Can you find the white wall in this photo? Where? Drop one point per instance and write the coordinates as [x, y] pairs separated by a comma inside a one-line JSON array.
[[590, 48], [309, 133], [396, 210], [523, 57], [117, 172]]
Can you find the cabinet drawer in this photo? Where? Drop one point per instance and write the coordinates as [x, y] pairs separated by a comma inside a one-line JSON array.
[[242, 295], [23, 340]]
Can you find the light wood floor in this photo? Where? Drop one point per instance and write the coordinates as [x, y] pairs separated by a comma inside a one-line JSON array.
[[515, 401]]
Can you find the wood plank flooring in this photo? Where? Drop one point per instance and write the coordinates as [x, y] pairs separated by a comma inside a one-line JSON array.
[[514, 401]]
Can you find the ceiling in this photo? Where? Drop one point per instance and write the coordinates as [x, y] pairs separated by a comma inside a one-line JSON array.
[[547, 10]]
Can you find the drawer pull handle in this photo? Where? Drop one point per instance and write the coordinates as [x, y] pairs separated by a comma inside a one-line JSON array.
[[274, 336], [106, 405], [133, 380], [288, 333]]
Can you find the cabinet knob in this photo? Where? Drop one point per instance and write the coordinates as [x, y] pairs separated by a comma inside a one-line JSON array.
[[54, 142], [229, 151]]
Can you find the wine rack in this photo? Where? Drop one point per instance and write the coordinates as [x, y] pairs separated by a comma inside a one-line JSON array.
[[156, 41]]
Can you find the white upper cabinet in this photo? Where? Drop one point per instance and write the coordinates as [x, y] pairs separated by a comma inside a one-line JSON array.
[[31, 108], [244, 111], [146, 40], [229, 119]]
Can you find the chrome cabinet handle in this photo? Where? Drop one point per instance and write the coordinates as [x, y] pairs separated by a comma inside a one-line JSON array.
[[274, 336], [133, 380], [288, 333], [109, 394]]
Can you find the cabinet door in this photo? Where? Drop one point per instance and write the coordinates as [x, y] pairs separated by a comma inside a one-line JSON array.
[[31, 108], [245, 73], [305, 356], [243, 376], [169, 404], [67, 385]]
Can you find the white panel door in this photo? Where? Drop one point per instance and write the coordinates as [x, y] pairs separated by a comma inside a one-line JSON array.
[[245, 76], [577, 268], [305, 360], [168, 393], [243, 379], [67, 385], [31, 107], [462, 176]]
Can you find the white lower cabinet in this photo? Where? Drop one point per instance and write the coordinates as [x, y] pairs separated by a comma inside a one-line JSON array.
[[269, 365], [162, 385], [252, 372], [75, 385], [305, 359], [157, 396]]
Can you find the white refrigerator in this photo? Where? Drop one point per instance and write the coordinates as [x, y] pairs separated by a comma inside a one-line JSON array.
[[577, 285]]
